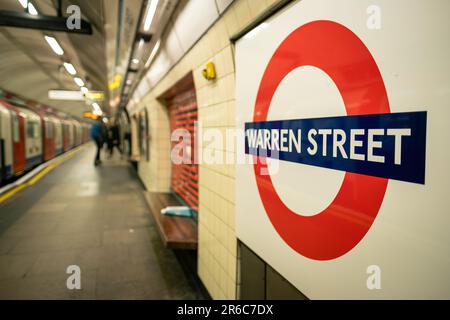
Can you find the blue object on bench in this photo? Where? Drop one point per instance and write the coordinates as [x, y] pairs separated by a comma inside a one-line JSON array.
[[178, 211]]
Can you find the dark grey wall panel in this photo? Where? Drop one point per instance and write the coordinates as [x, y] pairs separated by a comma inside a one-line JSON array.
[[252, 275], [259, 281], [277, 288]]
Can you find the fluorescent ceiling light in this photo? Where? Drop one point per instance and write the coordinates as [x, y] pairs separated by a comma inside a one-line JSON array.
[[96, 106], [70, 68], [153, 54], [139, 51], [32, 10], [84, 90], [65, 95], [23, 3], [97, 110], [79, 82], [150, 14], [54, 45]]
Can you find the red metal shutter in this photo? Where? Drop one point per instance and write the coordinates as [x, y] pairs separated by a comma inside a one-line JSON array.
[[183, 115]]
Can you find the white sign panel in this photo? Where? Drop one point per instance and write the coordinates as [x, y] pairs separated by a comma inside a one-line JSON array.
[[352, 98], [65, 95]]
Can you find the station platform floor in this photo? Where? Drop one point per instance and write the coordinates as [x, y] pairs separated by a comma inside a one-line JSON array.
[[94, 218]]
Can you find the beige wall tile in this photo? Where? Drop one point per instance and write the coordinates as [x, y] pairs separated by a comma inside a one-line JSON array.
[[243, 13], [256, 7]]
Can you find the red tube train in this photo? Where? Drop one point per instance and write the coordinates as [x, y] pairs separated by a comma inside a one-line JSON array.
[[30, 137]]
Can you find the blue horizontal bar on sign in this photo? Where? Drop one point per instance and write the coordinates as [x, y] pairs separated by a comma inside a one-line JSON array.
[[391, 145]]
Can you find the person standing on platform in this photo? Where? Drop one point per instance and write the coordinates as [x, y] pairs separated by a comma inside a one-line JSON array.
[[97, 134], [109, 140], [113, 139]]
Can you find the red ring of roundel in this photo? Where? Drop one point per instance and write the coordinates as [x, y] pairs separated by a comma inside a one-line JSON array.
[[338, 52]]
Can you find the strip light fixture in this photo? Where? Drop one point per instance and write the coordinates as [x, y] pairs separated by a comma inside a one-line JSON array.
[[65, 95], [153, 54], [23, 3], [54, 45], [97, 110], [32, 10], [70, 68], [150, 14], [79, 81]]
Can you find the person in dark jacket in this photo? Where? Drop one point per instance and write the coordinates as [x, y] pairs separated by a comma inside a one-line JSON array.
[[97, 134], [113, 139]]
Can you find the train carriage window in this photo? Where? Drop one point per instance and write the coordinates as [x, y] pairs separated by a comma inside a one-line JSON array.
[[16, 128], [37, 129], [30, 133], [33, 130]]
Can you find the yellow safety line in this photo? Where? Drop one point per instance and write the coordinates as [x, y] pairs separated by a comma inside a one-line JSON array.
[[38, 176], [12, 192]]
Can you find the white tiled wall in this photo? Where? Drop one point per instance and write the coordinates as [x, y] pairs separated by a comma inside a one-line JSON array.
[[217, 249], [189, 29]]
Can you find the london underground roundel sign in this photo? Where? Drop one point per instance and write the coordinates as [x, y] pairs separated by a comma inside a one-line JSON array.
[[338, 52]]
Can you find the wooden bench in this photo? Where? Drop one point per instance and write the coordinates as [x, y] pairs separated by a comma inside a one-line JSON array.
[[176, 232]]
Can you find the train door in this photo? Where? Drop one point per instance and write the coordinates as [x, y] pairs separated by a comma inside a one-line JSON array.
[[83, 133], [33, 141], [58, 134], [78, 133], [66, 135], [71, 130], [86, 130], [6, 147], [18, 128], [75, 133], [48, 138]]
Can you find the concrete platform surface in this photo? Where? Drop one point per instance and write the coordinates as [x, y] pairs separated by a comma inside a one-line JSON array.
[[94, 218]]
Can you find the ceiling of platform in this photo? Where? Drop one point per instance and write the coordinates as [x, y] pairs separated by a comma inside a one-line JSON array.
[[29, 67], [116, 50]]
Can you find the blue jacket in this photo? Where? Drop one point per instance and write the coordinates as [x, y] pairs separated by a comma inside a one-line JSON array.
[[97, 131]]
